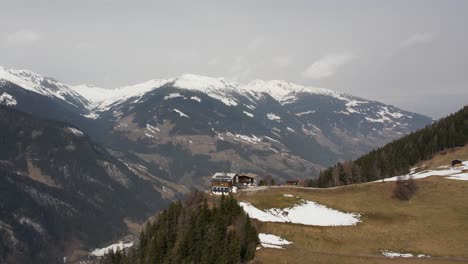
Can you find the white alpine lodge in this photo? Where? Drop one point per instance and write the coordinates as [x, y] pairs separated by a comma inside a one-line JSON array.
[[225, 183]]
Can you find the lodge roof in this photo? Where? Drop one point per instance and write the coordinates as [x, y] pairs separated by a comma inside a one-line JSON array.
[[250, 175], [223, 176]]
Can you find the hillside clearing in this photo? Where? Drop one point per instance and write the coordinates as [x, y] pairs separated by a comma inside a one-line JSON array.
[[449, 172], [445, 157], [415, 227]]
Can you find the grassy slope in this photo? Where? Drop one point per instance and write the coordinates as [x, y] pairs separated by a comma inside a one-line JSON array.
[[445, 157], [434, 222]]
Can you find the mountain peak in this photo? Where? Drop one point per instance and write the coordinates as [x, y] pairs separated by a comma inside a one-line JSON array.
[[202, 83]]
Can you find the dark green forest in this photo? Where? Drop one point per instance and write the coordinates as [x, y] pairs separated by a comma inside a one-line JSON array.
[[397, 157], [194, 232]]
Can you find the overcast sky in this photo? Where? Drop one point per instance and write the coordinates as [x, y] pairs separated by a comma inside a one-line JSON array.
[[412, 54]]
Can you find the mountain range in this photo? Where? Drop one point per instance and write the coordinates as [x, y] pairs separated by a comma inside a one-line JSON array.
[[183, 129], [81, 164]]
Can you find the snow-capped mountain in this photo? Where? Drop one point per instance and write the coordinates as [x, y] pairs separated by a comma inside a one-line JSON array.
[[182, 129], [42, 85]]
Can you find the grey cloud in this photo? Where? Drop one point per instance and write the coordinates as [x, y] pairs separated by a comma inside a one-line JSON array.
[[327, 66], [282, 61], [405, 49], [416, 39], [22, 37]]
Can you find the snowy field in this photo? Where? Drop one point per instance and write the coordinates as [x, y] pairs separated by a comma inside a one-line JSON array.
[[449, 172], [99, 252], [306, 213], [272, 241]]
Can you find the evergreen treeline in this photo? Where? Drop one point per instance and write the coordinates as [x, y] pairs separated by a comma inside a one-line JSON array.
[[397, 157], [194, 233]]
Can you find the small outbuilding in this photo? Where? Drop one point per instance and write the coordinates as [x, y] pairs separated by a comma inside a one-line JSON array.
[[456, 163], [247, 179], [292, 182]]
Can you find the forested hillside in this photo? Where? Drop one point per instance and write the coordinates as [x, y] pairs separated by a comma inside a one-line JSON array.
[[60, 192], [194, 232], [397, 157]]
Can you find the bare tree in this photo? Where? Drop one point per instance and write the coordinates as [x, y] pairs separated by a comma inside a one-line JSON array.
[[404, 189]]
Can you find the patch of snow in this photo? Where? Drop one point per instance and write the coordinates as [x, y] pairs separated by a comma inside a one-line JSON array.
[[392, 254], [99, 252], [290, 129], [251, 107], [305, 113], [316, 128], [454, 173], [7, 99], [250, 139], [75, 131], [92, 115], [248, 114], [173, 95], [306, 213], [272, 116], [385, 115], [342, 112], [274, 140], [226, 101], [152, 129], [196, 98], [288, 195], [272, 241], [383, 119], [385, 111], [461, 176], [181, 113], [423, 256]]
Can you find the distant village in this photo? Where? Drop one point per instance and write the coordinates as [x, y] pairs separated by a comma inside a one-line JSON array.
[[225, 183]]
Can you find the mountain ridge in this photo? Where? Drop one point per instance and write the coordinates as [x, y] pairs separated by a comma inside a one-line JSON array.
[[270, 127], [281, 90]]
